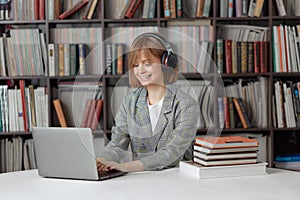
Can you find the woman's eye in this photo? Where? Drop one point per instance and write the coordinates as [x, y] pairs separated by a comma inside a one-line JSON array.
[[148, 64], [135, 65]]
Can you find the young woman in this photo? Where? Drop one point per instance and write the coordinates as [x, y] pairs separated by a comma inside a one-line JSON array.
[[157, 120]]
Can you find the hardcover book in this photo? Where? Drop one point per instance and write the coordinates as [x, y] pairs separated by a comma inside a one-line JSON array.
[[226, 142], [200, 172]]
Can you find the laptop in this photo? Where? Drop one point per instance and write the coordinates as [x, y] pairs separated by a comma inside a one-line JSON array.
[[67, 153]]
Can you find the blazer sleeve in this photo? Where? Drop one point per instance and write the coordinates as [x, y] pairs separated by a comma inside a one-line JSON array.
[[180, 138], [116, 149]]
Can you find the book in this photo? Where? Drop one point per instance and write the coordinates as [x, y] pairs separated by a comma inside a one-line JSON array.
[[98, 110], [76, 7], [86, 113], [241, 112], [59, 113], [200, 172], [92, 9], [224, 156], [87, 10], [225, 162], [226, 141], [200, 148]]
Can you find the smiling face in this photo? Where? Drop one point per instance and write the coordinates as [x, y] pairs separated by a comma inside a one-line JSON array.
[[147, 69]]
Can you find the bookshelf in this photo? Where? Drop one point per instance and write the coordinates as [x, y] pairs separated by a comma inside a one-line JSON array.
[[278, 140]]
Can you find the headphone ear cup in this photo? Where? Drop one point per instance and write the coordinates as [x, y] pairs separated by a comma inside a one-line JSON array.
[[164, 59], [172, 60]]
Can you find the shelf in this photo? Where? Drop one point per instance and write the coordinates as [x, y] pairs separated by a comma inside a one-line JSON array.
[[243, 19], [11, 22], [244, 75]]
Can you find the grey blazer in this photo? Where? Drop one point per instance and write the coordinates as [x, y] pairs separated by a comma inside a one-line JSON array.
[[172, 138]]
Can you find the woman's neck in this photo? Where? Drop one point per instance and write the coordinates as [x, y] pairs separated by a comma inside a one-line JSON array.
[[155, 93]]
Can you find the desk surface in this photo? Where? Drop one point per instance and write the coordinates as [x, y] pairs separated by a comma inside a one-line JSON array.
[[166, 184]]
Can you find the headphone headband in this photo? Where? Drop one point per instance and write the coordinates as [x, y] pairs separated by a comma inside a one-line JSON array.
[[158, 37], [168, 57]]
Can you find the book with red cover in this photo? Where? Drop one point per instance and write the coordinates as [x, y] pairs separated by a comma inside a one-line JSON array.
[[226, 141], [92, 113], [24, 109], [86, 113], [77, 6], [263, 56], [98, 111], [228, 56], [256, 55], [133, 6]]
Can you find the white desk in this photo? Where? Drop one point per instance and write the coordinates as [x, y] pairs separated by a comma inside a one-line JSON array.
[[167, 184]]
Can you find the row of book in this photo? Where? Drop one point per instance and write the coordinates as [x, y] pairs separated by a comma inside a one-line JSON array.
[[23, 10], [23, 108], [91, 37], [242, 57], [286, 104], [67, 59], [243, 8], [252, 98], [287, 7], [224, 156], [23, 52], [115, 58], [193, 53], [289, 162], [16, 154], [242, 49], [74, 9], [79, 104], [286, 48], [92, 112]]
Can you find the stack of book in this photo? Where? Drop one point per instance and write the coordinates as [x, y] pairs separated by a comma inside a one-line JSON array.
[[224, 157], [289, 162]]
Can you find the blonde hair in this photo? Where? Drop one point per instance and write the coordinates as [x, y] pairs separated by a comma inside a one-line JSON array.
[[148, 46]]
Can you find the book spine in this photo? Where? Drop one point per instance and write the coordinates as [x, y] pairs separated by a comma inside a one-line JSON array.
[[250, 57], [231, 112], [24, 108], [172, 8], [42, 9], [92, 9], [220, 60], [120, 58], [256, 57], [258, 8], [59, 112], [132, 9], [230, 8], [51, 59], [241, 112], [108, 58], [87, 9], [61, 59], [179, 9], [200, 7], [252, 6], [151, 12], [98, 111], [264, 56], [228, 56], [91, 113], [73, 59], [82, 56], [36, 9], [238, 8], [239, 57], [86, 112], [281, 8], [146, 6], [244, 56], [244, 8], [221, 113], [77, 6], [166, 9], [226, 112], [67, 59]]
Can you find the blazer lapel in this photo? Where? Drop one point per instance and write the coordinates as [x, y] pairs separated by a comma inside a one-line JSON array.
[[166, 108]]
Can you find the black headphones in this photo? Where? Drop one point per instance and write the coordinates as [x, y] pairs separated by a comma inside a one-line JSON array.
[[168, 57]]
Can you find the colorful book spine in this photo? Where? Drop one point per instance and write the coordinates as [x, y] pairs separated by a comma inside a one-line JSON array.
[[82, 57]]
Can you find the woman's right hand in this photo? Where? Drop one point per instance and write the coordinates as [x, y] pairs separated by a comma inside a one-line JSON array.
[[102, 164]]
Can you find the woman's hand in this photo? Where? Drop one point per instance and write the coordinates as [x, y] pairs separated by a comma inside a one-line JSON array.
[[102, 164]]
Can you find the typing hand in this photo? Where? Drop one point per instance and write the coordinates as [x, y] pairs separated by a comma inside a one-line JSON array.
[[102, 164]]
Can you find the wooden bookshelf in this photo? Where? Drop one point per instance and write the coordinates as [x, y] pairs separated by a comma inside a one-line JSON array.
[[270, 19]]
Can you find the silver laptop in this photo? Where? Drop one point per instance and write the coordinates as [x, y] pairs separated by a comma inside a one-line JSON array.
[[67, 153]]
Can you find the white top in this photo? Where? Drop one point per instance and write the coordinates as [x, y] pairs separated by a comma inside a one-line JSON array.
[[154, 111], [153, 185]]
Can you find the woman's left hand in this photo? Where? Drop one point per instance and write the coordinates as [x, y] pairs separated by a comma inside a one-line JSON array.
[[118, 166]]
